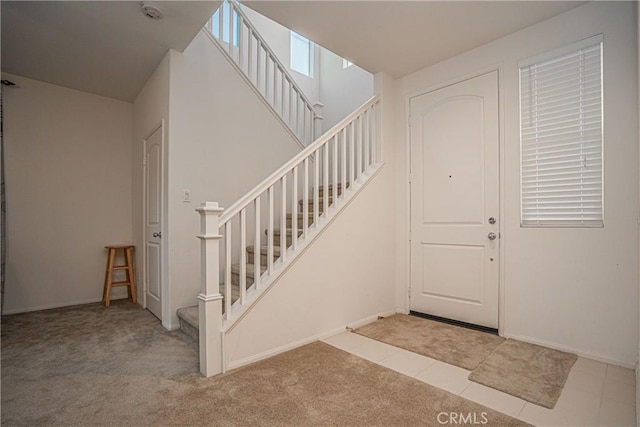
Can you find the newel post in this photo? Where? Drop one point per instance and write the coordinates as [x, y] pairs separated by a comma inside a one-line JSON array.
[[209, 299]]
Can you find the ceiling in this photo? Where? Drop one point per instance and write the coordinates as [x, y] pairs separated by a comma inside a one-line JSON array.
[[400, 37], [104, 47], [110, 48]]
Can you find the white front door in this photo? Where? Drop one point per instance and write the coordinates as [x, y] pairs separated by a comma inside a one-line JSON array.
[[153, 222], [455, 201]]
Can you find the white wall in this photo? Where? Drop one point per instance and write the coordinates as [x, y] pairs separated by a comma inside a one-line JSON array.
[[341, 90], [568, 288], [150, 109], [222, 142], [68, 166]]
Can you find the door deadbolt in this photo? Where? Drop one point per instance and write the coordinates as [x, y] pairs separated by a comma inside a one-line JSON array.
[[158, 234], [492, 236], [492, 220]]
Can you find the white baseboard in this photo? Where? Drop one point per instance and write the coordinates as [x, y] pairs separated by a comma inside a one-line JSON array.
[[58, 305], [270, 353], [588, 355]]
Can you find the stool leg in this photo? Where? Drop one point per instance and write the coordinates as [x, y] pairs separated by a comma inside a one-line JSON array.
[[131, 277], [127, 271], [106, 278], [107, 292]]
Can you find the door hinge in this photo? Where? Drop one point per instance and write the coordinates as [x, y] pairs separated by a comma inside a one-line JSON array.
[[409, 120]]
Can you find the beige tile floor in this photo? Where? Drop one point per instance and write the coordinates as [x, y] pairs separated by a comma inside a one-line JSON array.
[[596, 394]]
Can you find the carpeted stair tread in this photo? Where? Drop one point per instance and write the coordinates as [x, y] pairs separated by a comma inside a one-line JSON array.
[[289, 232], [264, 252], [189, 320], [189, 315], [264, 249], [310, 202], [300, 219], [235, 270], [330, 189]]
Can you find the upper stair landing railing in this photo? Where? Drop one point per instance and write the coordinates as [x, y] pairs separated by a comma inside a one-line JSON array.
[[245, 248], [239, 39]]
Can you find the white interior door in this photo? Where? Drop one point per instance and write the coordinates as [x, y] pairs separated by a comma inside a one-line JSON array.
[[455, 201], [153, 222]]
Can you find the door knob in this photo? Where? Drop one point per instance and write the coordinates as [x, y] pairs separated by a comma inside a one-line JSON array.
[[492, 236], [158, 234]]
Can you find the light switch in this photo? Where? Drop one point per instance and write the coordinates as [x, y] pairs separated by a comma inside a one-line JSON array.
[[186, 196]]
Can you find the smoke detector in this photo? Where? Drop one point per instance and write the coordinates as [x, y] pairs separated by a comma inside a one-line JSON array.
[[151, 10]]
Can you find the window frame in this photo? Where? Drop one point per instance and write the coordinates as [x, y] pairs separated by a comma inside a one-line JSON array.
[[311, 52]]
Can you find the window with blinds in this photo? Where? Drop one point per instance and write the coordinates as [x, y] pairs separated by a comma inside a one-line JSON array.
[[561, 137]]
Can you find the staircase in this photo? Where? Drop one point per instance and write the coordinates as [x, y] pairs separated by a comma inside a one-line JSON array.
[[237, 38], [248, 246], [189, 315]]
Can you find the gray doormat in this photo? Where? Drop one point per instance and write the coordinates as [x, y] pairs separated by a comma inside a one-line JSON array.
[[528, 371], [450, 344]]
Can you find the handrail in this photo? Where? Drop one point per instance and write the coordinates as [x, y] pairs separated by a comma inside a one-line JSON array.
[[235, 208], [270, 73]]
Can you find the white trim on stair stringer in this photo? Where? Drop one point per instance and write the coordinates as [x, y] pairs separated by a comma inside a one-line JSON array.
[[303, 244], [588, 355], [304, 341], [255, 90]]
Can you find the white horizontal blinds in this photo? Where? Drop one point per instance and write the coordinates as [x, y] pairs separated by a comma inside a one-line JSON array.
[[561, 139]]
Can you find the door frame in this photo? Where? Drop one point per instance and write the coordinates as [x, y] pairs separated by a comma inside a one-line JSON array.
[[501, 174], [164, 280]]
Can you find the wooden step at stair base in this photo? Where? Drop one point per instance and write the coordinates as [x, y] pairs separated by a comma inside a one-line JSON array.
[[263, 254]]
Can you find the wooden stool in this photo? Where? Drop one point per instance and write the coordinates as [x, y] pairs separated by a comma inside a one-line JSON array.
[[129, 282]]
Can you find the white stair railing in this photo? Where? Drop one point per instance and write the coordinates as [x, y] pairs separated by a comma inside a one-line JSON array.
[[293, 205], [238, 38]]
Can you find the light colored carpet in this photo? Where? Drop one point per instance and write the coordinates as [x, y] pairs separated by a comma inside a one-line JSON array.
[[117, 366], [319, 385], [457, 346], [533, 373]]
